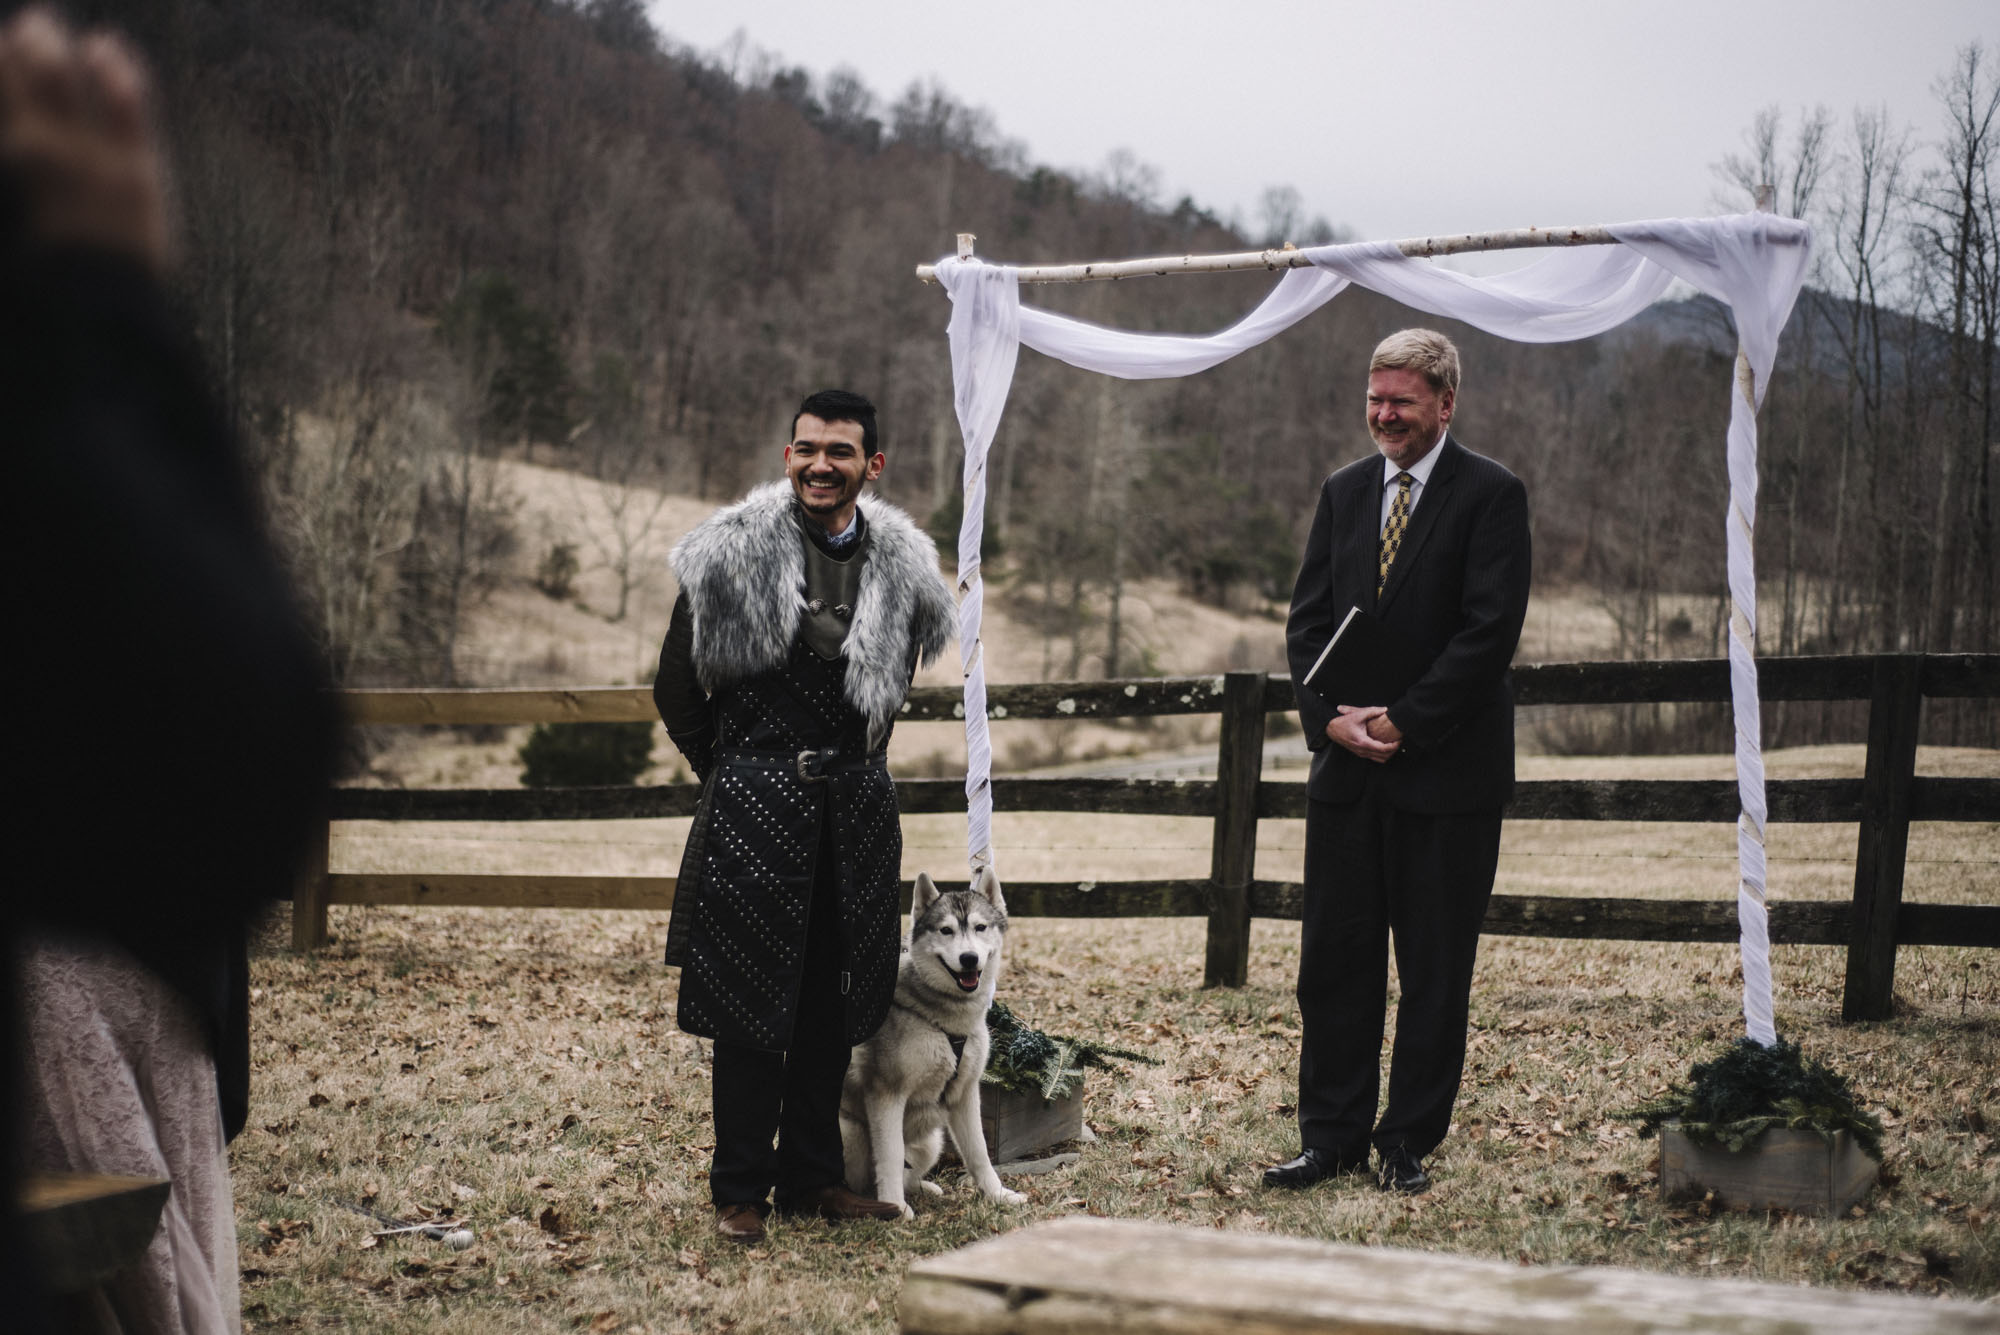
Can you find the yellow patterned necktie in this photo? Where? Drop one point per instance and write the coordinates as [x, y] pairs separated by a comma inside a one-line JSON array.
[[1392, 532]]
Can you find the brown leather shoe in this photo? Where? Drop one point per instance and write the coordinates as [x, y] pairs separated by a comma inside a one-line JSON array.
[[836, 1203], [740, 1223]]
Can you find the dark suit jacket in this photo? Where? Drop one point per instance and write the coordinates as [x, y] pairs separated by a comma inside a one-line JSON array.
[[1459, 592]]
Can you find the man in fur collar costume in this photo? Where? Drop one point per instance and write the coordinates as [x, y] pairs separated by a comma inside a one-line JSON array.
[[804, 610]]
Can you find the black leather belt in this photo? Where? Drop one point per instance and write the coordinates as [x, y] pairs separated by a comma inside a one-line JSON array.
[[811, 766]]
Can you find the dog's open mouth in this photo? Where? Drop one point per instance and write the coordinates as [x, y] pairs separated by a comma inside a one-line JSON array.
[[967, 982]]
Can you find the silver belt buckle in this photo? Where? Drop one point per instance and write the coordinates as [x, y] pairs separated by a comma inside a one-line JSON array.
[[805, 768]]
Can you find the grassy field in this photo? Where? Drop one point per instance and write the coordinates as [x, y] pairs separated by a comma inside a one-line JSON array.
[[521, 1069]]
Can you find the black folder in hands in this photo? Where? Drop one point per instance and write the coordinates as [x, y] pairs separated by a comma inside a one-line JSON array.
[[1365, 663]]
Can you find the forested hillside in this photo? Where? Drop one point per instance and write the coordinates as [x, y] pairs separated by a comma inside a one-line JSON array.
[[420, 234]]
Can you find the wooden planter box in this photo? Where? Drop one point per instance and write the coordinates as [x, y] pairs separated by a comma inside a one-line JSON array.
[[1019, 1125], [1781, 1170]]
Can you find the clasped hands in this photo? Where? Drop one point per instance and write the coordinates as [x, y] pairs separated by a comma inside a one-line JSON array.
[[1366, 731]]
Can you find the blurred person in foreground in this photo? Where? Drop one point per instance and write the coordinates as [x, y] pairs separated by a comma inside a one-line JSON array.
[[169, 742], [1404, 801], [803, 611]]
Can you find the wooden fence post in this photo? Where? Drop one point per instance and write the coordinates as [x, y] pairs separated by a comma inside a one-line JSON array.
[[1895, 712], [309, 893], [1239, 766]]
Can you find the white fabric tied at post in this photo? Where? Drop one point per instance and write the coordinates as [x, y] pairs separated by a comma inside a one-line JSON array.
[[1753, 262], [985, 343], [1759, 281]]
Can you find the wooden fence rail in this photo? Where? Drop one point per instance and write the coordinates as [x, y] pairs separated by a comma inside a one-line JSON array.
[[1871, 925]]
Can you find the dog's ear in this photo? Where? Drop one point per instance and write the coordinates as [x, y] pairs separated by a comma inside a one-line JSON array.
[[988, 885], [926, 893]]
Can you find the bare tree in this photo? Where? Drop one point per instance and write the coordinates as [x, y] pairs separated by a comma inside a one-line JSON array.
[[332, 89], [349, 505], [1111, 488], [1282, 211], [615, 513], [244, 267], [1957, 218], [1129, 180], [462, 530], [1794, 174], [1865, 220]]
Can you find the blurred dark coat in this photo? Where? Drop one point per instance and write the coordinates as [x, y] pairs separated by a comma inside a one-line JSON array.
[[169, 737]]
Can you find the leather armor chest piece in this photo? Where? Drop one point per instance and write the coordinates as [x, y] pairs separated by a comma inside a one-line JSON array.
[[832, 584], [778, 831]]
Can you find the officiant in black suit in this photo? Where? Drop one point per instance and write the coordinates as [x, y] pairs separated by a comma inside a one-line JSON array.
[[1403, 822]]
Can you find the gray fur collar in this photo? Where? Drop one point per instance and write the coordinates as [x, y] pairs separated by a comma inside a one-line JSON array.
[[744, 571]]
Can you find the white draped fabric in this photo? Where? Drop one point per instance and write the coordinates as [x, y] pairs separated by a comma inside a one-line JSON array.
[[985, 334], [1755, 263]]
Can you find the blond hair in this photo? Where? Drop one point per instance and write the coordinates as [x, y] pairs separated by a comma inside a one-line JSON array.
[[1425, 351]]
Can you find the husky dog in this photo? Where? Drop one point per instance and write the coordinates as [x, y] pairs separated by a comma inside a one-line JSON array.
[[919, 1073]]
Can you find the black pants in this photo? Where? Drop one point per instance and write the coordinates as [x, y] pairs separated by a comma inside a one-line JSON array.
[[1373, 871], [792, 1096]]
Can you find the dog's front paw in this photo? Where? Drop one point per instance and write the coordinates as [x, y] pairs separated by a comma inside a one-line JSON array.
[[931, 1187], [908, 1213], [1006, 1197]]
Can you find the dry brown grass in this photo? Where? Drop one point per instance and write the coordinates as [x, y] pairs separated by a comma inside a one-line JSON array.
[[522, 1067]]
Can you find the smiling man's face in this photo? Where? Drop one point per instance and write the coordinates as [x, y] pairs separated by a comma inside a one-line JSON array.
[[1407, 414], [827, 466]]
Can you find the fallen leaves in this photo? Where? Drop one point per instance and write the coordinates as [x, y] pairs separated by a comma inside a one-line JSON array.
[[280, 1237]]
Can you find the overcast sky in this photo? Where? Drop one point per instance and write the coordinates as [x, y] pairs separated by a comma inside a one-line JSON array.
[[1472, 116]]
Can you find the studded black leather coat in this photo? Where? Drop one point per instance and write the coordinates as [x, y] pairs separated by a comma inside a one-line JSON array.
[[773, 831]]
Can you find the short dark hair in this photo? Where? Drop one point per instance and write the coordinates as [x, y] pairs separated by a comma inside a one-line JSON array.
[[841, 405]]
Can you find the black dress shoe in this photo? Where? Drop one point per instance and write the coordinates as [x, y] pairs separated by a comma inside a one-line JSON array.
[[1403, 1171], [1313, 1165]]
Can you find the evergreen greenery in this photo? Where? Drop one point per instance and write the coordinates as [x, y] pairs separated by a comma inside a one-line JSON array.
[[1748, 1089], [513, 351], [556, 575], [585, 755], [1028, 1061]]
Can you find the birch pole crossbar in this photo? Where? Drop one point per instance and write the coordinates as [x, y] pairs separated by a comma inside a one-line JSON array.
[[1288, 257]]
